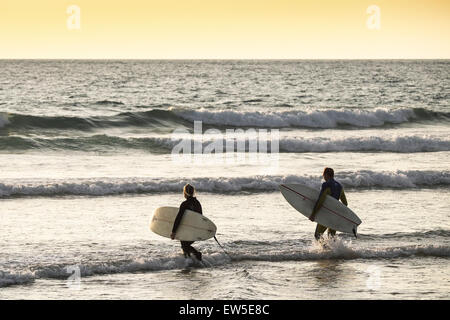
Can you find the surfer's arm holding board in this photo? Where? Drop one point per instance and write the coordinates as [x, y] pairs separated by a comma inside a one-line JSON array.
[[324, 191], [177, 221], [343, 198], [322, 196], [191, 203]]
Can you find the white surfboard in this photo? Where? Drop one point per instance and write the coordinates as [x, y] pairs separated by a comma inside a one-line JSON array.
[[193, 226], [333, 214]]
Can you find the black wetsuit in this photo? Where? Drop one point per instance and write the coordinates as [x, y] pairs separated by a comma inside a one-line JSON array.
[[334, 189], [193, 204]]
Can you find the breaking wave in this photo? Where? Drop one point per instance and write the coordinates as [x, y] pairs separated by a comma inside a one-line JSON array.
[[326, 118], [10, 279], [265, 183], [399, 144], [335, 249]]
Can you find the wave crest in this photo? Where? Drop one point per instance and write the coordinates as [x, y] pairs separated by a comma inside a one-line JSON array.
[[10, 279], [399, 144], [337, 249], [322, 119], [358, 180], [327, 118]]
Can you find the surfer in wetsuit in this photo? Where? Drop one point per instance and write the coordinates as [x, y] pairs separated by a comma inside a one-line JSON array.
[[329, 187], [193, 204]]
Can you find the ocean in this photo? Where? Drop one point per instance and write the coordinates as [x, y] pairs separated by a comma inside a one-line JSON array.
[[87, 155]]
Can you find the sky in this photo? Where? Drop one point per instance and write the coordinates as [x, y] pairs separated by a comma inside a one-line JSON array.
[[225, 29]]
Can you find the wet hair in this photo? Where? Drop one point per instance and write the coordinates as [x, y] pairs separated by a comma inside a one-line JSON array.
[[188, 190], [328, 172]]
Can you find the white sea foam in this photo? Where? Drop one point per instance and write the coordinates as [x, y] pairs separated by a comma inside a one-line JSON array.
[[137, 265], [342, 249], [327, 118], [335, 249], [398, 144], [262, 183], [403, 144]]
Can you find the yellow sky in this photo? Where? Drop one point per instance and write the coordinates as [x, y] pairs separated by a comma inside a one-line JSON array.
[[225, 29]]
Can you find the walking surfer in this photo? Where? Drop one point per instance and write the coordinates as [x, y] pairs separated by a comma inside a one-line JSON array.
[[329, 187], [193, 204]]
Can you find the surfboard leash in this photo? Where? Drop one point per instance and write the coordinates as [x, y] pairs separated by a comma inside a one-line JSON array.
[[222, 247]]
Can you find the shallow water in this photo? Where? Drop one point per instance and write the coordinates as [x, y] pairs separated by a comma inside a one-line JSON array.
[[85, 158]]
